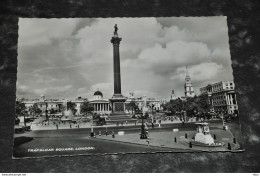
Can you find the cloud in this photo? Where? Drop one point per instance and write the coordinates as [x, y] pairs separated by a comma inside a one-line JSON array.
[[41, 31], [174, 55], [74, 57], [141, 93], [200, 72], [59, 90], [22, 89], [173, 33], [101, 86]]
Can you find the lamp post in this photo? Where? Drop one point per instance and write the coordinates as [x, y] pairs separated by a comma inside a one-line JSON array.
[[143, 134], [92, 129], [46, 111]]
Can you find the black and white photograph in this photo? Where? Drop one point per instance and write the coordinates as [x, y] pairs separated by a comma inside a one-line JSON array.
[[124, 85]]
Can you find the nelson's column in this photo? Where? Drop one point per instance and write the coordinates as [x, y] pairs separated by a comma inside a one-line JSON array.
[[117, 100]]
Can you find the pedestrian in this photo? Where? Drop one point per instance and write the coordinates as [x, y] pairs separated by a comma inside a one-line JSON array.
[[57, 126], [152, 125], [70, 125], [113, 134]]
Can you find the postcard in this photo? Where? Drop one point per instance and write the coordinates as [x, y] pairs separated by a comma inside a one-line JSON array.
[[124, 85]]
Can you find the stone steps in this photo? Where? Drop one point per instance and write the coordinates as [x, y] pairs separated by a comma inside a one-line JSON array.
[[120, 117]]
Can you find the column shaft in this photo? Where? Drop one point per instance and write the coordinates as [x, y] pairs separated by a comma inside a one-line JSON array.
[[117, 77]]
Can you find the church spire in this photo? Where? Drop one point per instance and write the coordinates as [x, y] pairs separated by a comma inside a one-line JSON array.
[[187, 71], [188, 87]]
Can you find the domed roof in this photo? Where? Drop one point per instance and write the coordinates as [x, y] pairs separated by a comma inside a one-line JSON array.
[[98, 93]]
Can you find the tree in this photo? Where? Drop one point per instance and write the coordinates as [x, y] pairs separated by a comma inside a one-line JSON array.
[[164, 106], [52, 111], [174, 106], [20, 110], [146, 115], [204, 104], [152, 106], [86, 107], [61, 107], [197, 104], [99, 121], [34, 109], [72, 106], [131, 106]]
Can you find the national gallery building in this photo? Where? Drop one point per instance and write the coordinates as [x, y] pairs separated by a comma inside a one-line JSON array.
[[100, 105]]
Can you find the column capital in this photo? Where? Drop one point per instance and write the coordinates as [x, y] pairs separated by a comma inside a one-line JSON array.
[[115, 40]]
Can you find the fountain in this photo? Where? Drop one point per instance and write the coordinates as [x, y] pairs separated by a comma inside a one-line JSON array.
[[203, 134], [204, 137]]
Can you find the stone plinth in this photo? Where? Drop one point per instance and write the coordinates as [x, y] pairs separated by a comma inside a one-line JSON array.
[[118, 104]]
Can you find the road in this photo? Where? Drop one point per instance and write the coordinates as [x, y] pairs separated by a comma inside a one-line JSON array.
[[57, 141], [80, 132]]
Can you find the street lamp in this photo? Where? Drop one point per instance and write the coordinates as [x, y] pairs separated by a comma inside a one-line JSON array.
[[92, 130], [46, 111], [143, 134]]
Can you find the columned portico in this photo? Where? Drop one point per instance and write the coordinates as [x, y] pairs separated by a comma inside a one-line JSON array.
[[100, 105]]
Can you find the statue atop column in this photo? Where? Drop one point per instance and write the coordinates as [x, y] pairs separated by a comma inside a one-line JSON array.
[[116, 29]]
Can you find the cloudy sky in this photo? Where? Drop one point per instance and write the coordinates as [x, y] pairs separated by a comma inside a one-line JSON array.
[[67, 58]]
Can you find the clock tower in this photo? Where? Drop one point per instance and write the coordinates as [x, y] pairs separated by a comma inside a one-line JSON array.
[[188, 87]]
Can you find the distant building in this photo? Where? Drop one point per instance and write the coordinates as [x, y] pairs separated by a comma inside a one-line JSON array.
[[145, 104], [44, 104], [173, 96], [221, 96], [100, 104], [188, 87]]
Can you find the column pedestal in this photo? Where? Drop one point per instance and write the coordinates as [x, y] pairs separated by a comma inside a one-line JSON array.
[[118, 104]]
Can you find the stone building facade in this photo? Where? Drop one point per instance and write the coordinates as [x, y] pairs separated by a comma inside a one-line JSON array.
[[100, 104], [221, 96]]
